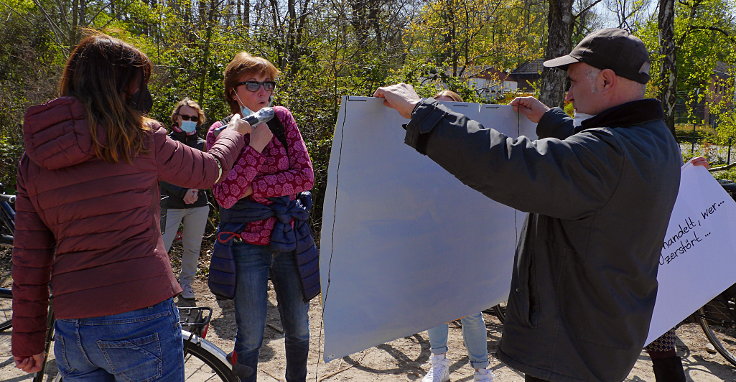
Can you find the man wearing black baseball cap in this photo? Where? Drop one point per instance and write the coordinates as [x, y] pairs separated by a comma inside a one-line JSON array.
[[613, 49], [599, 198]]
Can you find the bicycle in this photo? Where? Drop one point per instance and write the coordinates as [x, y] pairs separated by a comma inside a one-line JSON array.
[[203, 361], [7, 217], [7, 229], [6, 309], [497, 310], [717, 318]]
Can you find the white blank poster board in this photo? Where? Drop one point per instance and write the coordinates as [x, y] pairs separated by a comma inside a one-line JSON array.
[[698, 258], [405, 246]]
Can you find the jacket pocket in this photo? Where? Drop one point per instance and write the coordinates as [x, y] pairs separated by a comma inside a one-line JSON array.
[[522, 300]]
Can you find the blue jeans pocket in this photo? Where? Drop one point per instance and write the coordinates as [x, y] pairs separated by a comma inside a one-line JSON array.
[[62, 362], [135, 359]]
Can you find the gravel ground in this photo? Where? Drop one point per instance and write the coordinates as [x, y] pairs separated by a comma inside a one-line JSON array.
[[404, 359]]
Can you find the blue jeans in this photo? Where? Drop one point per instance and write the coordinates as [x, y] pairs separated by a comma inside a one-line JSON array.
[[474, 336], [140, 345], [253, 264]]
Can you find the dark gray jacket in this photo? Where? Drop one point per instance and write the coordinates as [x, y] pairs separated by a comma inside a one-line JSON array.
[[599, 201], [176, 193]]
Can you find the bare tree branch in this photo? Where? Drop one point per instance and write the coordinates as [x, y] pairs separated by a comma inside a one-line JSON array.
[[582, 11]]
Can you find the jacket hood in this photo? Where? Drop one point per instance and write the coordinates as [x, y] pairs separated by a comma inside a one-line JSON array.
[[56, 134]]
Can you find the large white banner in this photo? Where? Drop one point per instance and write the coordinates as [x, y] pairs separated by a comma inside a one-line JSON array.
[[698, 258], [405, 246]]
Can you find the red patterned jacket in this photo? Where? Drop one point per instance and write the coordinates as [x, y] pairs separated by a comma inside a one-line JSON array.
[[270, 173]]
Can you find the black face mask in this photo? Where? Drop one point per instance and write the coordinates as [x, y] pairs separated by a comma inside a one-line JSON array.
[[141, 100]]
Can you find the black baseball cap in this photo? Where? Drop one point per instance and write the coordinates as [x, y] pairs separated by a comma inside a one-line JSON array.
[[611, 48]]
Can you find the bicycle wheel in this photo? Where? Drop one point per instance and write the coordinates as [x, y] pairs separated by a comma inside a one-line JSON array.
[[497, 310], [500, 311], [204, 361], [717, 318], [7, 223], [6, 309]]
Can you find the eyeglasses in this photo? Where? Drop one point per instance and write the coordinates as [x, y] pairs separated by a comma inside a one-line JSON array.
[[189, 117], [253, 86]]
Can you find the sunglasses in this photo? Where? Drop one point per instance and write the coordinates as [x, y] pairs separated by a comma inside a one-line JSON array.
[[189, 117], [253, 86]]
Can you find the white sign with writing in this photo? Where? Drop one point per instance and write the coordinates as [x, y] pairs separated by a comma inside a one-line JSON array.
[[698, 260], [405, 246]]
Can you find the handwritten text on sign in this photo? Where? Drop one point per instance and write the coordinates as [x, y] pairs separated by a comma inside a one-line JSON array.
[[697, 260], [670, 249]]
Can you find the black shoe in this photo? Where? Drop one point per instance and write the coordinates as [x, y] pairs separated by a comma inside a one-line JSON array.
[[668, 369]]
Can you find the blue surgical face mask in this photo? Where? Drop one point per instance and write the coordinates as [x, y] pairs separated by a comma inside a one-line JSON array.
[[188, 127], [244, 111]]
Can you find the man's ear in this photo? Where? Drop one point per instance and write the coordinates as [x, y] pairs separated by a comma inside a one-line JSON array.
[[608, 78]]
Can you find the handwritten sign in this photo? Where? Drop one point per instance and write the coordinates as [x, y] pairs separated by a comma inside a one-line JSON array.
[[698, 259]]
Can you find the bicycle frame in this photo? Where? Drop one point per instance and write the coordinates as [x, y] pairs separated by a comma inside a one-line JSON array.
[[7, 219], [203, 343]]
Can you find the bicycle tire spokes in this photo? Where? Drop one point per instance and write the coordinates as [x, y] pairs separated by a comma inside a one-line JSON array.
[[7, 219], [718, 320], [6, 309]]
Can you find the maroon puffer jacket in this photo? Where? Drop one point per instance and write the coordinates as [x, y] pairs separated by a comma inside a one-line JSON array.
[[90, 229]]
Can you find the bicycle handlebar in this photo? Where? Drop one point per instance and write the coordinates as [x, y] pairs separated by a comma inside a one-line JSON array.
[[7, 198]]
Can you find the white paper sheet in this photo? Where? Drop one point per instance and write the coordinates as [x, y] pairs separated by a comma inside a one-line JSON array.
[[405, 246]]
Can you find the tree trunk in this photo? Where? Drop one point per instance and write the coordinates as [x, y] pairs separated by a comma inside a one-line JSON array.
[[559, 25], [202, 11], [668, 73], [246, 13], [374, 17], [359, 20], [210, 23]]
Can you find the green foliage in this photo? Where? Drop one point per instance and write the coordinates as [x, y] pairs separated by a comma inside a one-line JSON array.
[[326, 51], [461, 35], [28, 76], [9, 154], [689, 131], [705, 35], [729, 174]]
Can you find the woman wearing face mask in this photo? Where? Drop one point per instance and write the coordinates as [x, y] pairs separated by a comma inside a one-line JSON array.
[[263, 222], [87, 223], [186, 205]]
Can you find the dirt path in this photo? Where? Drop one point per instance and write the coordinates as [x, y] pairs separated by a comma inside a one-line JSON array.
[[405, 359]]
